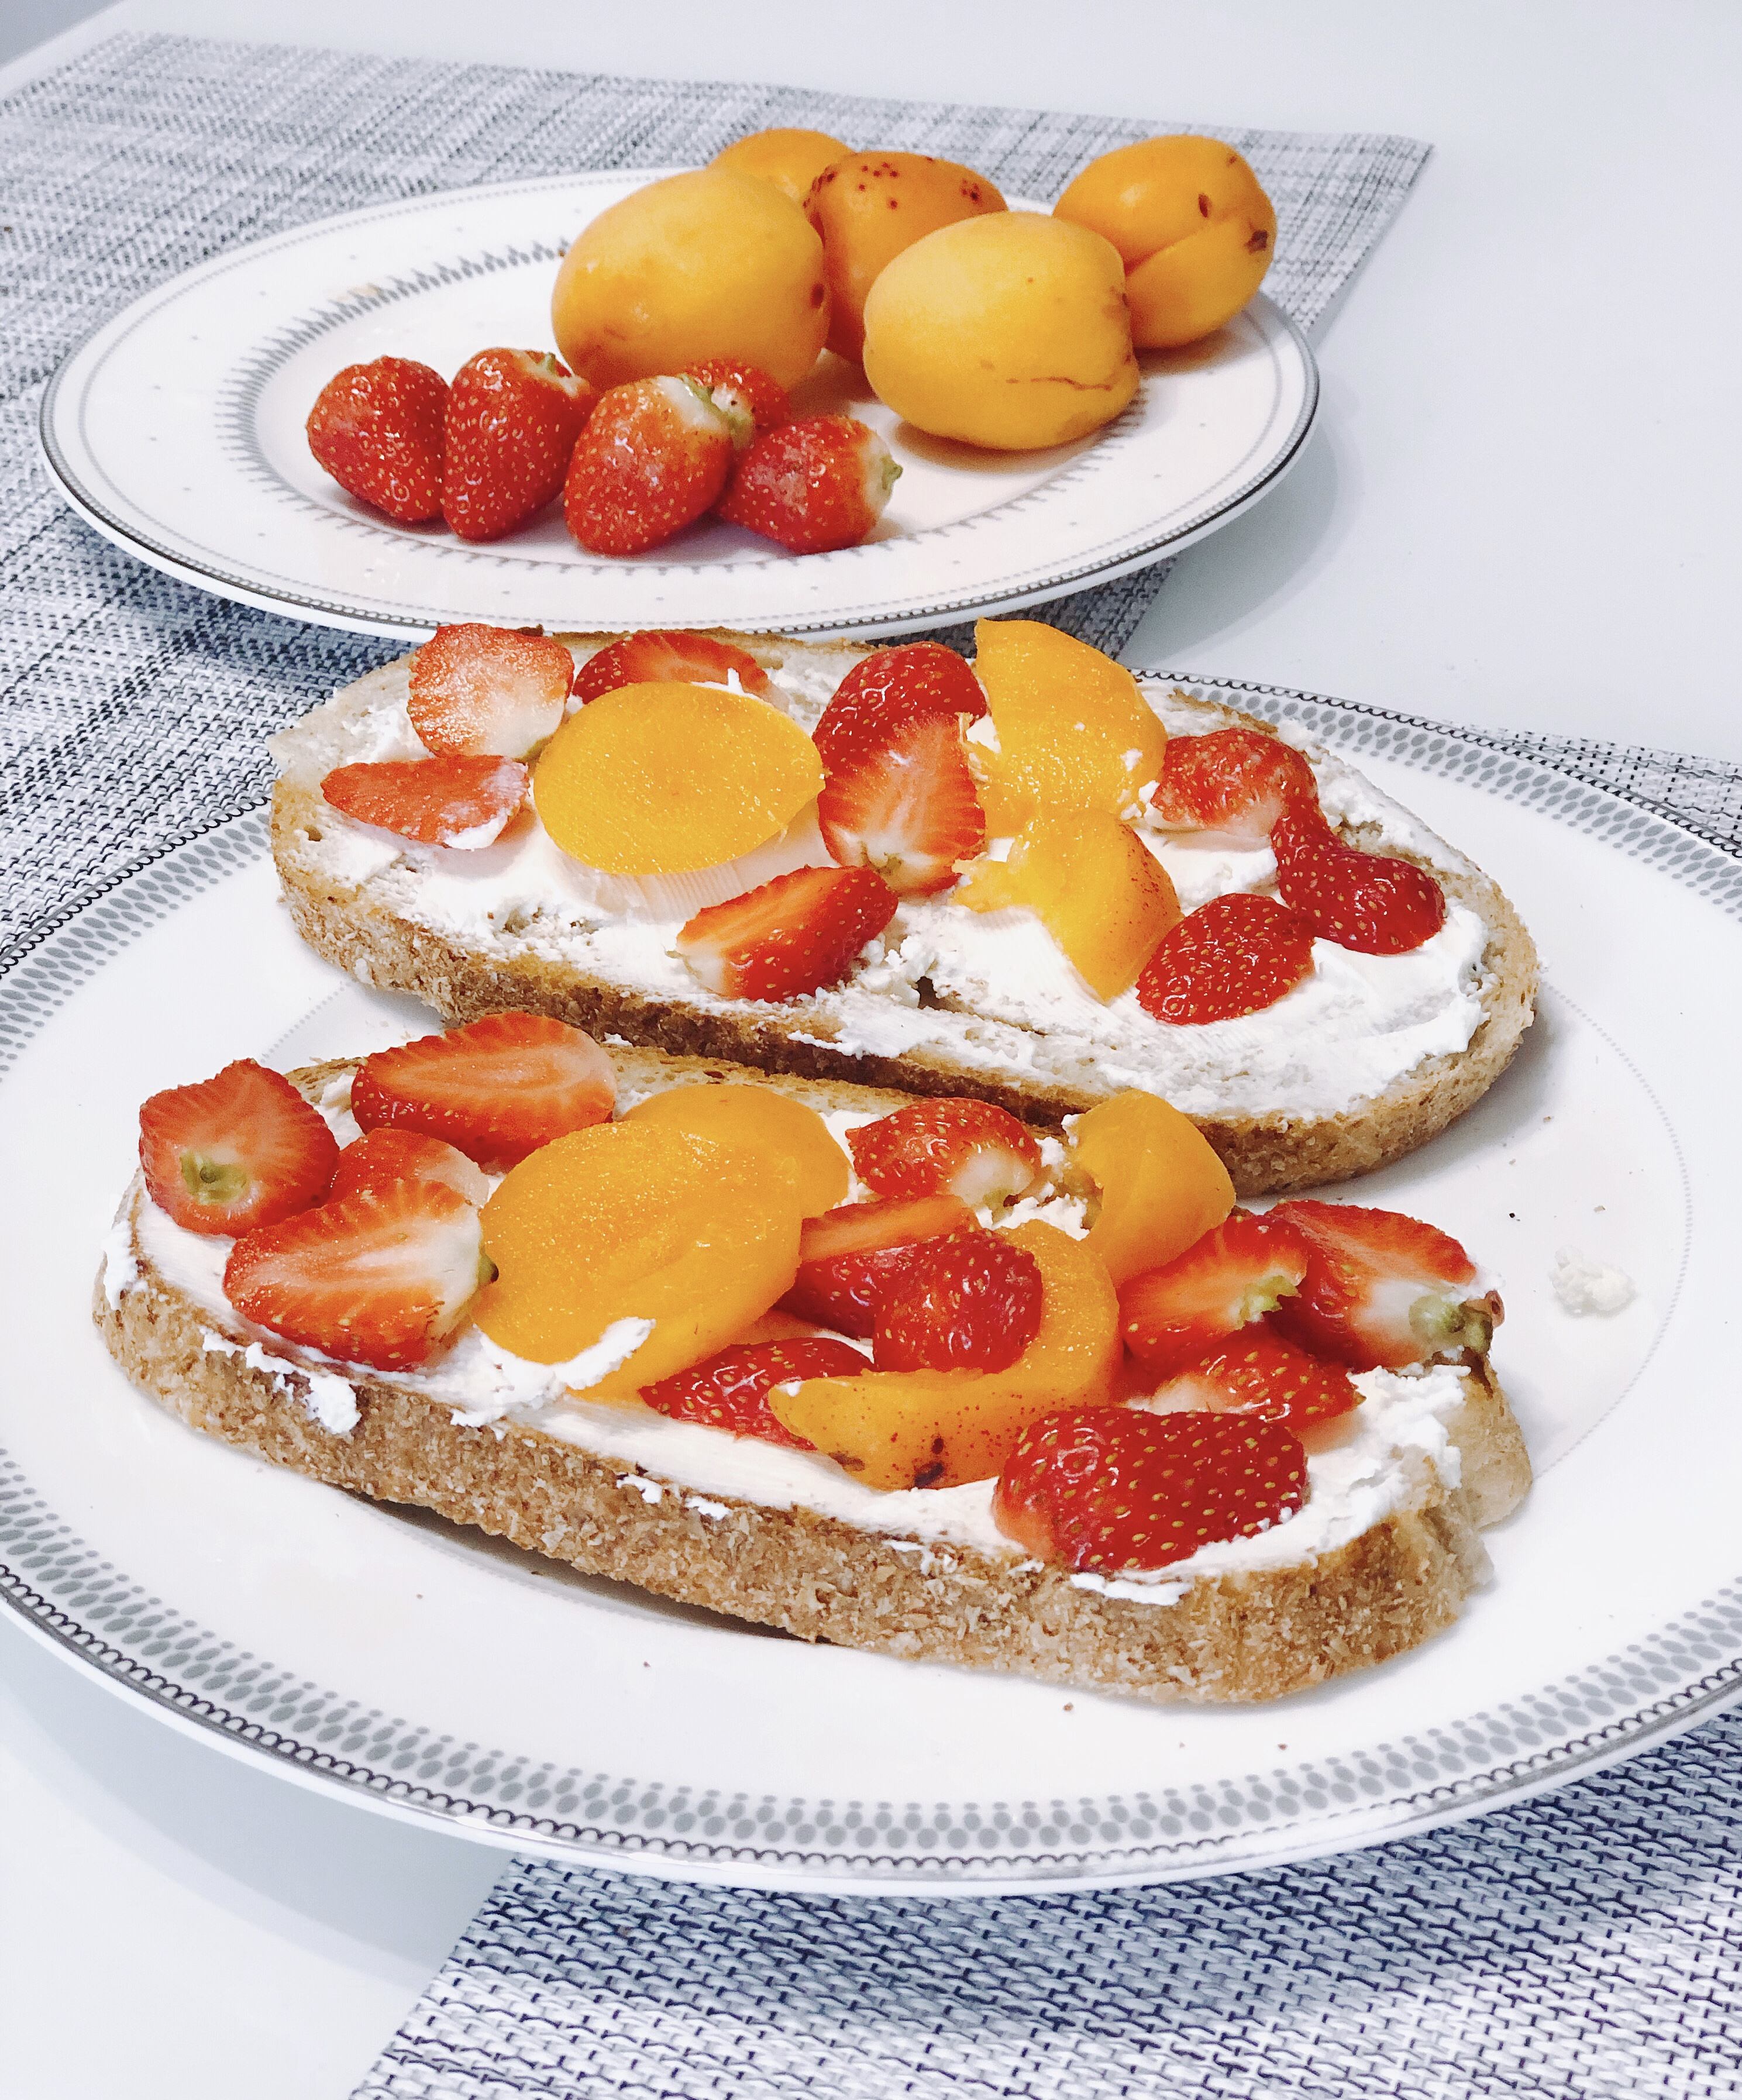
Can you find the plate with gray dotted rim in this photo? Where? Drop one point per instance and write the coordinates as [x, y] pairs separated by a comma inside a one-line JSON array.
[[176, 429], [430, 1674]]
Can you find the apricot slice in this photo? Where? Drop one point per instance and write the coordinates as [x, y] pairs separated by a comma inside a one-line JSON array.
[[764, 1124], [666, 779], [936, 1429], [788, 156], [1072, 729], [1098, 891], [636, 1221], [1162, 1185]]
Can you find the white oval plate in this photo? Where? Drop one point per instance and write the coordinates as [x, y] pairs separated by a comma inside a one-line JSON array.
[[427, 1671], [177, 430]]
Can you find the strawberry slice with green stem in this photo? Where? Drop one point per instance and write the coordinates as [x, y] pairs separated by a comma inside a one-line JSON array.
[[240, 1149], [970, 1149], [730, 1390], [475, 691], [905, 806], [1381, 1290], [510, 427], [466, 803], [1238, 1272]]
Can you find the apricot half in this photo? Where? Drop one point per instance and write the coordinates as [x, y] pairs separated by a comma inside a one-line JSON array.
[[713, 263], [936, 1429], [867, 208], [1192, 226], [764, 1124], [788, 156], [1162, 1185], [636, 1221], [664, 779], [1009, 330]]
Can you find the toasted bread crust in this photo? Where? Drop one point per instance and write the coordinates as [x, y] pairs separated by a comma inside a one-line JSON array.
[[351, 926], [1243, 1638]]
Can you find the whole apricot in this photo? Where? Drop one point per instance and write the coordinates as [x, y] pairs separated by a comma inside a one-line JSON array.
[[868, 207], [1009, 330], [703, 265], [790, 158], [1194, 228]]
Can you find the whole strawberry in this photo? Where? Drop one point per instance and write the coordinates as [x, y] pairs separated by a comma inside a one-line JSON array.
[[654, 457], [814, 486], [745, 393], [512, 419], [378, 429]]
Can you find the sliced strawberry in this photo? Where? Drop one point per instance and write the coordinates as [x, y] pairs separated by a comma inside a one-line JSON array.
[[477, 690], [1111, 1488], [847, 1256], [654, 457], [497, 1089], [905, 807], [1234, 783], [814, 486], [1234, 1275], [1371, 903], [1259, 1374], [750, 399], [381, 1277], [512, 419], [378, 429], [241, 1149], [798, 933], [730, 1390], [463, 802], [885, 691], [661, 656], [971, 1301], [1381, 1290], [383, 1159], [968, 1149], [1236, 954]]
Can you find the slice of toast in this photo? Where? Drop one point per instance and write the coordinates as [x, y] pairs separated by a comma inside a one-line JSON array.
[[1380, 1055], [785, 1539]]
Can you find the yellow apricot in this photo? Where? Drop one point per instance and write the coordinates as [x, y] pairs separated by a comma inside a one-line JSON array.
[[1009, 330], [1162, 1186], [1098, 891], [765, 1124], [788, 156], [1195, 229], [1073, 730], [636, 1221], [936, 1429], [708, 264], [867, 208], [663, 779]]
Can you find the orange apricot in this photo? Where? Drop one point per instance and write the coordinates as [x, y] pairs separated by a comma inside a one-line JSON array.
[[1162, 1185], [867, 207], [664, 779], [788, 156], [636, 1221], [936, 1429], [1098, 891], [1194, 228], [764, 1123]]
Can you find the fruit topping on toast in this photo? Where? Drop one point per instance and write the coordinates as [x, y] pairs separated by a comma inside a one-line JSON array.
[[384, 1157], [378, 429], [1109, 1491], [1231, 785], [847, 1256], [1258, 1373], [380, 1276], [1381, 1290], [1173, 1315], [240, 1149], [654, 457], [1373, 903], [1235, 955], [730, 1390], [475, 691], [969, 1149], [1159, 1186], [814, 486], [497, 1089], [970, 1301], [790, 1137], [511, 421], [658, 656], [890, 688], [464, 803], [905, 806], [794, 934]]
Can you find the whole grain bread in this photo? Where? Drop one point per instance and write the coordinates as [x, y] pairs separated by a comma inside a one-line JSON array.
[[373, 927], [1232, 1637]]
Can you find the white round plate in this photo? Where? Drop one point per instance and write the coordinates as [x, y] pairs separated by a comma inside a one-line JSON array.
[[425, 1670], [177, 430]]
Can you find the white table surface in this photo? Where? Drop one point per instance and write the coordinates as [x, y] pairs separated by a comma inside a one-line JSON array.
[[1516, 510]]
